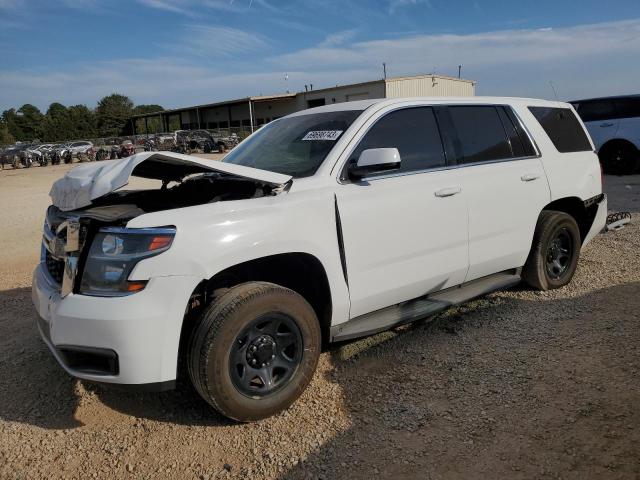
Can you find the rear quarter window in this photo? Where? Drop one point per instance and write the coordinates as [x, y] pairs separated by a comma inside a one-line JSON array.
[[563, 128]]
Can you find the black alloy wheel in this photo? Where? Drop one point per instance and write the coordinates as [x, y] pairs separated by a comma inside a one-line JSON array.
[[559, 253], [265, 355]]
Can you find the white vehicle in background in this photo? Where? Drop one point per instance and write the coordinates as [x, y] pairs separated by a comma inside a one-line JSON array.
[[614, 126], [326, 225]]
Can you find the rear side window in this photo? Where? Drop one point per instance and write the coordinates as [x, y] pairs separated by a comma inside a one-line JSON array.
[[414, 132], [481, 134], [563, 129], [628, 107], [595, 110]]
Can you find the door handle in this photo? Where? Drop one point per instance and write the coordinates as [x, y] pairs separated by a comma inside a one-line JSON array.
[[529, 177], [606, 124], [448, 192]]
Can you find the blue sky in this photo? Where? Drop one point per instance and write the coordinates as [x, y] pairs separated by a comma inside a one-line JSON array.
[[182, 52]]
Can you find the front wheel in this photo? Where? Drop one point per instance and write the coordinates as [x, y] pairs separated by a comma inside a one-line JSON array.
[[254, 351], [555, 251]]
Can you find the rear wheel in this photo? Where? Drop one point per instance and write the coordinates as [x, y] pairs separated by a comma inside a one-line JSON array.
[[620, 158], [254, 351], [555, 251]]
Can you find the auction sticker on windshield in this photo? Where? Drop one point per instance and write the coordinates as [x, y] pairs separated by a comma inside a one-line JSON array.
[[330, 135]]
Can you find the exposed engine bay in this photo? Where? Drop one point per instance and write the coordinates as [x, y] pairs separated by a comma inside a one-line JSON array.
[[196, 190]]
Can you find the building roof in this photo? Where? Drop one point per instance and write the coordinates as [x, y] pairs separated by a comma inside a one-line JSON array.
[[256, 98]]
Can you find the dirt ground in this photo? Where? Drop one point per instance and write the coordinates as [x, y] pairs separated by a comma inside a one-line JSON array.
[[516, 385]]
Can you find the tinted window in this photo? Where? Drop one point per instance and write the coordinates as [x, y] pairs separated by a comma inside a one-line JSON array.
[[414, 132], [628, 107], [481, 135], [595, 110], [563, 129], [295, 146], [521, 146]]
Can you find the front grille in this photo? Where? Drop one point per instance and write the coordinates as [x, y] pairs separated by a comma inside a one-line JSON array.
[[55, 267]]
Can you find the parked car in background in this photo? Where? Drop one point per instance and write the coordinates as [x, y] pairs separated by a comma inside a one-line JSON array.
[[15, 156], [127, 148], [189, 141], [614, 126], [329, 224]]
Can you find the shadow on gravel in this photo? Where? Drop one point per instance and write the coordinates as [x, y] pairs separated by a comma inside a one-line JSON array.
[[182, 406], [33, 387], [517, 386]]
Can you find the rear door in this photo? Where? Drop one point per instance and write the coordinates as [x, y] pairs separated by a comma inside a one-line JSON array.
[[405, 232], [601, 119], [504, 184]]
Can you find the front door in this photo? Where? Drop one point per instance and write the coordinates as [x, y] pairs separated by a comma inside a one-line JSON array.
[[405, 232]]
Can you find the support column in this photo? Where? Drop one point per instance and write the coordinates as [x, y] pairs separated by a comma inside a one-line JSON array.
[[251, 115]]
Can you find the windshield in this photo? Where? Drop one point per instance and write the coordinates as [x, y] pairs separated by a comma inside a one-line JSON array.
[[294, 146]]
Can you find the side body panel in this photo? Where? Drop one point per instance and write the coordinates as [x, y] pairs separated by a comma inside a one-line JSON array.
[[504, 201], [569, 174], [213, 237], [400, 240], [601, 131]]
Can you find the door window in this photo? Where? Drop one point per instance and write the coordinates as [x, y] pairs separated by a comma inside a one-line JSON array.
[[481, 134], [595, 110], [414, 132], [628, 107]]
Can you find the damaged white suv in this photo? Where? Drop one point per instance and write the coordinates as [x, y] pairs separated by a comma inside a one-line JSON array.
[[326, 225]]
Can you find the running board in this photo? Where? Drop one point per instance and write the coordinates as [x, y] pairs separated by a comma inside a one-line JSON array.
[[422, 307]]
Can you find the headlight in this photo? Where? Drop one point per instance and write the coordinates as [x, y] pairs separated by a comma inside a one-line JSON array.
[[113, 254]]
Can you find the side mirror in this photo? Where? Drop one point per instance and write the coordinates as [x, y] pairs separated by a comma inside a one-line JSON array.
[[374, 160]]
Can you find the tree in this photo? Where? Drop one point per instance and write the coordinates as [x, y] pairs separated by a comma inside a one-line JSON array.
[[9, 117], [5, 137], [83, 122], [29, 120], [113, 113], [57, 124]]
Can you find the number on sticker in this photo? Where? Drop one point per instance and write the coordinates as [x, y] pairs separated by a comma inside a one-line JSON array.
[[330, 135]]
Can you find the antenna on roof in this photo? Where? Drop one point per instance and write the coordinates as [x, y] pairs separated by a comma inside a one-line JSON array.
[[459, 71], [555, 93], [384, 70]]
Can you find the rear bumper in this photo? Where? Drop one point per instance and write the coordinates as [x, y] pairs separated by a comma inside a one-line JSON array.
[[599, 221], [131, 341]]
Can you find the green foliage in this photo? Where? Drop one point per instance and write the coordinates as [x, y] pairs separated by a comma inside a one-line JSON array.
[[5, 137], [59, 123], [9, 118], [113, 113], [29, 120]]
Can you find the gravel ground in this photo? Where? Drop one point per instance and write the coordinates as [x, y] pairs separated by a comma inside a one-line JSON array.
[[516, 385]]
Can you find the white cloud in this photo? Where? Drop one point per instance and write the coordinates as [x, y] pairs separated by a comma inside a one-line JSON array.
[[192, 7], [582, 61], [395, 5], [337, 38], [211, 42]]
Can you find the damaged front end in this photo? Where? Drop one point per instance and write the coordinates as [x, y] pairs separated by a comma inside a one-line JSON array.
[[86, 245]]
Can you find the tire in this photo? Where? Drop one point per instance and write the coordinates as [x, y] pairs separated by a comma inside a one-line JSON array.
[[222, 147], [620, 158], [554, 255], [221, 349]]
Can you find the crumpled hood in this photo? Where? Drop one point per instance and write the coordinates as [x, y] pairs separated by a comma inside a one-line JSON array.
[[85, 183]]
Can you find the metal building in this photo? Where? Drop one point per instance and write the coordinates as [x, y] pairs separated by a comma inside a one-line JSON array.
[[244, 115]]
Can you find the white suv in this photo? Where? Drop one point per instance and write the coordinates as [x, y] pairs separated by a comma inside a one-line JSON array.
[[326, 225], [614, 126]]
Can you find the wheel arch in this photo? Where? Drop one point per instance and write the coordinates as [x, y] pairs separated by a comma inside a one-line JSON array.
[[301, 272], [614, 141], [575, 207]]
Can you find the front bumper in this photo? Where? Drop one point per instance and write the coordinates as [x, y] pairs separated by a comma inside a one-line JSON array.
[[141, 330], [599, 222]]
